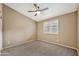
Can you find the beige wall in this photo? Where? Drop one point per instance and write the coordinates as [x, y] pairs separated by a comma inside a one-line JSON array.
[[17, 28], [67, 31], [0, 27]]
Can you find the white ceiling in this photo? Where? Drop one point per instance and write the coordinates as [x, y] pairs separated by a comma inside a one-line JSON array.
[[55, 9]]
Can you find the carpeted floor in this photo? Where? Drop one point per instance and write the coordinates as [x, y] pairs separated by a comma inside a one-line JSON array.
[[39, 48]]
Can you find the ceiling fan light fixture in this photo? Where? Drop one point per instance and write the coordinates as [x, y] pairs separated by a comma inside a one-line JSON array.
[[38, 12], [37, 9]]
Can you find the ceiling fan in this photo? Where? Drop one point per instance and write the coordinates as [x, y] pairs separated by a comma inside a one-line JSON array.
[[37, 9]]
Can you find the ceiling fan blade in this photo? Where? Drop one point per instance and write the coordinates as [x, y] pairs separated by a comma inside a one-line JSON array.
[[43, 9], [35, 5], [35, 14], [30, 11]]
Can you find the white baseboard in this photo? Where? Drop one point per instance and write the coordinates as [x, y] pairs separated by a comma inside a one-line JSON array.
[[62, 45], [59, 44], [16, 44], [19, 43]]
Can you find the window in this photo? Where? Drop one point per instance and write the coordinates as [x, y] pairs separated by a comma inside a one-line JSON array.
[[51, 27]]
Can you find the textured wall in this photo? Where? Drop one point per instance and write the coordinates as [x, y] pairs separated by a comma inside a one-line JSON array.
[[67, 31], [17, 28]]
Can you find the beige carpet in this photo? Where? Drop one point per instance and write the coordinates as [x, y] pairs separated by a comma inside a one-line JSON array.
[[39, 48]]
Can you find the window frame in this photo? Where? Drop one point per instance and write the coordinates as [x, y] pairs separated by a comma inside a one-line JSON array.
[[51, 23]]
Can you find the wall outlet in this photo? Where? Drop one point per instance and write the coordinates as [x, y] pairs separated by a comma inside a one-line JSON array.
[[8, 42]]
